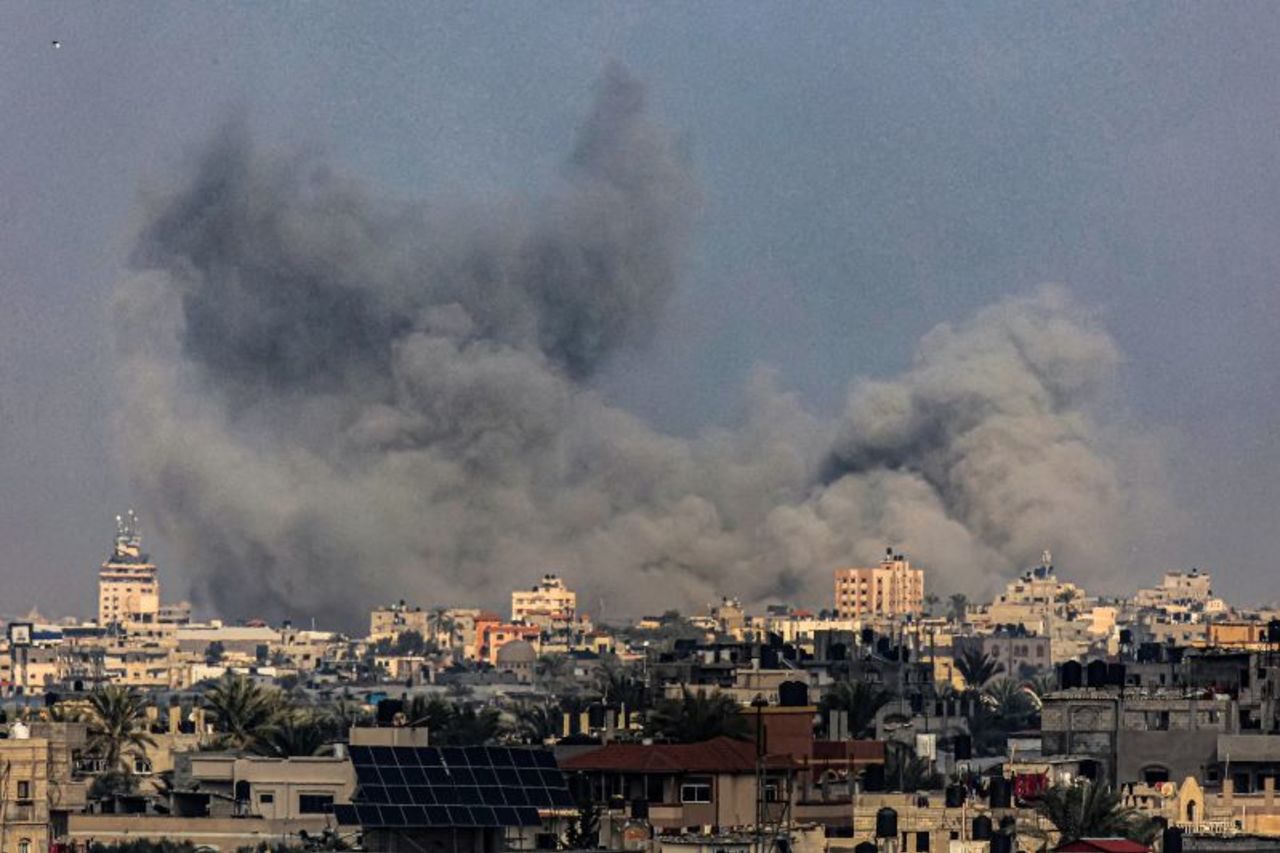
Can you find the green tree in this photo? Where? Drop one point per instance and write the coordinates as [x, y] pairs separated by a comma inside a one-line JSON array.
[[245, 713], [537, 723], [977, 667], [959, 606], [1012, 704], [584, 828], [697, 717], [434, 712], [117, 726], [1088, 810], [469, 727], [930, 601], [295, 733], [214, 653], [622, 685], [904, 770], [861, 700]]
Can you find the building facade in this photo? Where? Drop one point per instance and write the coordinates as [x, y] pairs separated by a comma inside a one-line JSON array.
[[892, 588], [128, 588], [549, 601]]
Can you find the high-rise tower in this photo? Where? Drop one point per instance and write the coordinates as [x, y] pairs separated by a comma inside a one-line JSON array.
[[128, 589]]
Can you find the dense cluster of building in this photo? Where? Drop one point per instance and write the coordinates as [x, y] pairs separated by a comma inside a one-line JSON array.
[[893, 718]]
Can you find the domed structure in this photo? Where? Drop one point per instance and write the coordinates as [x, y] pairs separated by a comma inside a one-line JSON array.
[[517, 658]]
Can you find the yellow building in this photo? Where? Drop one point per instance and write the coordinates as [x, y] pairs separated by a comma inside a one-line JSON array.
[[39, 787], [892, 588], [547, 602], [128, 589]]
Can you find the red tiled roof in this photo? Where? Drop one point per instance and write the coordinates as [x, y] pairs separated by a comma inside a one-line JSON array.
[[1103, 845], [720, 755]]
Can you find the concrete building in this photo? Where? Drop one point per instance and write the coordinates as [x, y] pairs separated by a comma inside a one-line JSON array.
[[547, 603], [39, 784], [1193, 587], [128, 588], [892, 588]]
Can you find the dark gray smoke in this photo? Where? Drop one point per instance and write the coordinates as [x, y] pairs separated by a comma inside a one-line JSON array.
[[333, 401]]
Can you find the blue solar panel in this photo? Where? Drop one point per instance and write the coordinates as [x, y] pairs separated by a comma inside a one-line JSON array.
[[454, 786]]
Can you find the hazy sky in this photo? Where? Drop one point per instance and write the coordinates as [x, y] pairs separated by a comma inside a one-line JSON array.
[[867, 170]]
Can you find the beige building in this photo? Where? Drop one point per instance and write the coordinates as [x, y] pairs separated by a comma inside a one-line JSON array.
[[892, 588], [549, 601], [387, 623], [128, 589], [39, 787]]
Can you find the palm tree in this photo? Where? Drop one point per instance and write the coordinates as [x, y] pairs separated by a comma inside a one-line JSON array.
[[538, 723], [977, 667], [116, 718], [861, 700], [245, 713], [906, 771], [469, 727], [1039, 686], [959, 604], [697, 717], [297, 733], [621, 685], [1011, 703], [433, 712], [930, 601], [1088, 810]]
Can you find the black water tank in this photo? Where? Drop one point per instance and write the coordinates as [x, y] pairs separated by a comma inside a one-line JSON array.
[[1095, 674], [1001, 796], [868, 636], [917, 703], [640, 809], [1171, 840], [1071, 675], [1001, 843], [51, 699], [837, 651], [793, 694], [1273, 631], [955, 796], [387, 710], [963, 747], [865, 847], [768, 658], [873, 778], [981, 827], [886, 823], [1126, 637], [1115, 674]]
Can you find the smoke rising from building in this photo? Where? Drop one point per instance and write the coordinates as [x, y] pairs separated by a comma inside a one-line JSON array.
[[332, 400]]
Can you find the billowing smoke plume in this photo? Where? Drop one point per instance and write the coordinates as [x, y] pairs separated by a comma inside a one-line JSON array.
[[332, 401]]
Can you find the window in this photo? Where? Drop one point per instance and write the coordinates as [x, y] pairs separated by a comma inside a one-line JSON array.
[[24, 789], [696, 789], [141, 765], [315, 803], [24, 846], [266, 799]]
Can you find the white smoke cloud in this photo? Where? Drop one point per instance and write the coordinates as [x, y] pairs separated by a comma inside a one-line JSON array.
[[331, 401]]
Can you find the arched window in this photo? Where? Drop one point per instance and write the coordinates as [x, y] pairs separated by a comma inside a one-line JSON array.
[[24, 846], [1191, 811]]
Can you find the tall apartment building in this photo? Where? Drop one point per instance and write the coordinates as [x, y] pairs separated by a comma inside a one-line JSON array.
[[128, 589], [892, 588], [549, 601]]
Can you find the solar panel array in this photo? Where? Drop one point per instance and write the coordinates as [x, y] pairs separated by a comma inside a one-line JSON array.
[[463, 786]]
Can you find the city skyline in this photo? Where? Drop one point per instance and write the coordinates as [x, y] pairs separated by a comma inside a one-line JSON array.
[[1128, 156]]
